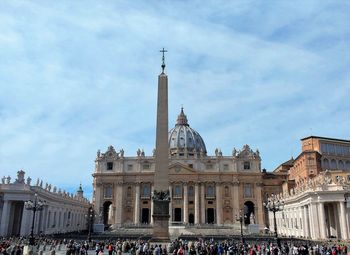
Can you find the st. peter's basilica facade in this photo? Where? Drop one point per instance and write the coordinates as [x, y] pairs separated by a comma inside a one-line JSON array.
[[205, 190]]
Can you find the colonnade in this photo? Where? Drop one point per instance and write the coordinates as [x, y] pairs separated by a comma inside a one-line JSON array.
[[53, 218], [313, 219], [187, 207]]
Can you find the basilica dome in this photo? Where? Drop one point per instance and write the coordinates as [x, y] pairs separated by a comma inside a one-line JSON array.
[[183, 140]]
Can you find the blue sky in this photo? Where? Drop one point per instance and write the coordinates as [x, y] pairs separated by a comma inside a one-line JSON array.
[[78, 76]]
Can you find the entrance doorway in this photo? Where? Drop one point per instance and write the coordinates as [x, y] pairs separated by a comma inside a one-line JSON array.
[[107, 212], [145, 216], [210, 216], [177, 216], [249, 217], [191, 218]]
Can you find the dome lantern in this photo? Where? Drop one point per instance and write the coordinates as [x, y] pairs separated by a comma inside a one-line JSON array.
[[182, 118]]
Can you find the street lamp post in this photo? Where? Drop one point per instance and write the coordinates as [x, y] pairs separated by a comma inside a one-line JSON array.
[[36, 205], [90, 217], [241, 218], [274, 204]]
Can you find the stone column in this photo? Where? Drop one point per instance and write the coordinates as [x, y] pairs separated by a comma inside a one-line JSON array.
[[171, 204], [218, 204], [313, 216], [137, 204], [260, 214], [202, 203], [343, 225], [5, 217], [152, 204], [306, 221], [25, 222], [235, 196], [196, 204], [300, 219], [98, 199], [310, 218], [119, 201], [43, 220], [185, 218], [322, 219]]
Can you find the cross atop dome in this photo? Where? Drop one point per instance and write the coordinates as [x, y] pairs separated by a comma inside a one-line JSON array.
[[182, 118]]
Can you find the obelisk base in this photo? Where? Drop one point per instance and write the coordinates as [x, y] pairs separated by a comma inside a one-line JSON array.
[[161, 221]]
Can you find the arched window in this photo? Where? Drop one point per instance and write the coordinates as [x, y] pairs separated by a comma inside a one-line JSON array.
[[210, 191], [145, 190], [177, 191], [246, 165], [333, 164], [190, 191], [325, 164], [347, 165]]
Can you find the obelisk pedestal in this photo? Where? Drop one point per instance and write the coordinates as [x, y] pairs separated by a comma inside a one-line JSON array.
[[160, 196]]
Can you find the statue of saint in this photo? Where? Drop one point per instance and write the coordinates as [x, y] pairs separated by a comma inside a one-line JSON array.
[[252, 218]]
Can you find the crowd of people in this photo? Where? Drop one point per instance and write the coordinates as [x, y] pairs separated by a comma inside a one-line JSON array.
[[15, 246]]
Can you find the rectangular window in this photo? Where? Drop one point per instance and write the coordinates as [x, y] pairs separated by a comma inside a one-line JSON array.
[[324, 148], [109, 165], [130, 167], [146, 166], [146, 191], [177, 191], [247, 190], [246, 165], [108, 192], [190, 165], [226, 167], [209, 166]]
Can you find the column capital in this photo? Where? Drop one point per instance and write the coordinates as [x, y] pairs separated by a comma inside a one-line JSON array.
[[235, 183]]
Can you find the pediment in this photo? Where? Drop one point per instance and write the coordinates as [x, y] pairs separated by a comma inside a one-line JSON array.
[[178, 168]]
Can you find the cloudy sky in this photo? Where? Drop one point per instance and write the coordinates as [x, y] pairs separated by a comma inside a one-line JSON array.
[[78, 76]]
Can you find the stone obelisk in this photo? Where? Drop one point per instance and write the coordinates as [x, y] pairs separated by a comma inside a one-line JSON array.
[[160, 194]]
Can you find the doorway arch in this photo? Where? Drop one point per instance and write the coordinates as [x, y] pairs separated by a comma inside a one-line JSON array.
[[248, 212], [107, 211]]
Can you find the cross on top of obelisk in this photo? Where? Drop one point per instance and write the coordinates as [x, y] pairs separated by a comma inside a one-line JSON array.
[[163, 59]]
